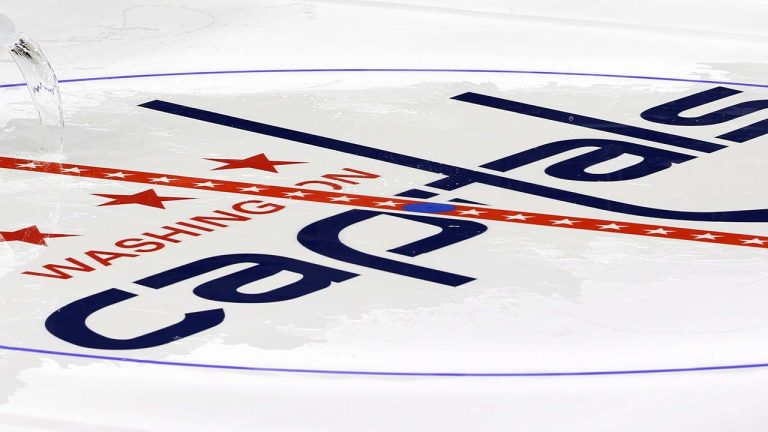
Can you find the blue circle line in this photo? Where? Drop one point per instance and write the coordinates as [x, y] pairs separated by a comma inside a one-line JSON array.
[[493, 71], [391, 373], [381, 373]]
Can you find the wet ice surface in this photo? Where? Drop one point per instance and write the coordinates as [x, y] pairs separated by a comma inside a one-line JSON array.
[[542, 300], [130, 37]]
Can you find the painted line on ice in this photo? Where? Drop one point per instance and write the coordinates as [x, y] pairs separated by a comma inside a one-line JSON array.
[[383, 203], [406, 70], [385, 373]]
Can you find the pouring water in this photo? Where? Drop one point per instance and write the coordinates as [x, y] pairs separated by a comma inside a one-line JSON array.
[[41, 82]]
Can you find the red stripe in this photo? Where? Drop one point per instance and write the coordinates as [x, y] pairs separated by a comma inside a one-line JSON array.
[[375, 202]]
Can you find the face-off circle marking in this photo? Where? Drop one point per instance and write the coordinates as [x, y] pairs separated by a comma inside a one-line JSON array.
[[355, 229]]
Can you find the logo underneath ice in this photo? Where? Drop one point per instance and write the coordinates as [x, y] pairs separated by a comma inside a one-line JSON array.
[[41, 82]]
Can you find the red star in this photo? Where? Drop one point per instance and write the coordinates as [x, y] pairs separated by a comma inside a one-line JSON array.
[[259, 162], [148, 198], [30, 235]]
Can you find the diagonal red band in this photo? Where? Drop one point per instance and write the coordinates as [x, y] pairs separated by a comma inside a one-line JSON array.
[[395, 204]]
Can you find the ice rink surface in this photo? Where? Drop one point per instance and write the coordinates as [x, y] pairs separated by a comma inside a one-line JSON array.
[[371, 215]]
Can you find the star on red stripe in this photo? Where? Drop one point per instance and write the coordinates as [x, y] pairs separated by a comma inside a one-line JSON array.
[[259, 162], [147, 198], [402, 204], [30, 235]]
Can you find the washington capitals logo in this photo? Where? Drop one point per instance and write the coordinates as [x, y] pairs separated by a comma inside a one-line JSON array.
[[455, 220]]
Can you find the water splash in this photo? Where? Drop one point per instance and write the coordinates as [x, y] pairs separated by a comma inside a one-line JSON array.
[[44, 88], [41, 82]]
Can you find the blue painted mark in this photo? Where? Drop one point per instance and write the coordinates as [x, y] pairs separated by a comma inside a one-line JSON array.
[[429, 207]]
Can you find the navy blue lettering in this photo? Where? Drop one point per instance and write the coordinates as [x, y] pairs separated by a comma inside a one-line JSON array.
[[68, 324], [314, 277], [575, 168], [669, 113], [323, 237], [588, 122]]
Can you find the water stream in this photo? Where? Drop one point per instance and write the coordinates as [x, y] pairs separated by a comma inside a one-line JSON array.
[[44, 88], [41, 82]]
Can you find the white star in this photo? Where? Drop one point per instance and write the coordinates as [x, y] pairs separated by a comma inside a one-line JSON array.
[[661, 231], [563, 222], [162, 179], [472, 212], [753, 241], [207, 184], [28, 165], [75, 170], [343, 198], [296, 194], [389, 203], [707, 236], [251, 189], [517, 217], [118, 174], [612, 226]]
